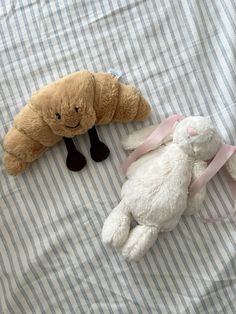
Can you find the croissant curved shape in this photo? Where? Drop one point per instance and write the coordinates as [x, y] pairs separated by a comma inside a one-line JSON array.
[[65, 108]]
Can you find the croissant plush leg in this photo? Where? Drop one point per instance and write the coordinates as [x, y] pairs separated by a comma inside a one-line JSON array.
[[75, 161], [98, 150]]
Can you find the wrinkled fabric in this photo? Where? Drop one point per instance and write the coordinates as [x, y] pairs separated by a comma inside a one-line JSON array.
[[181, 56]]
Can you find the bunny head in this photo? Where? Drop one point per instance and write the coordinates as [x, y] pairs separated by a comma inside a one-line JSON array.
[[197, 137]]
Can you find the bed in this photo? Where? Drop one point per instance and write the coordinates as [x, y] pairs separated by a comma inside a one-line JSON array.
[[181, 56]]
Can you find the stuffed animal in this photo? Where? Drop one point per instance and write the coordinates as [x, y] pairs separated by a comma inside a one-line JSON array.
[[157, 191], [68, 107]]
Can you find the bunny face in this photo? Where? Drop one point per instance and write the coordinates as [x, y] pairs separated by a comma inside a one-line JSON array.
[[197, 137]]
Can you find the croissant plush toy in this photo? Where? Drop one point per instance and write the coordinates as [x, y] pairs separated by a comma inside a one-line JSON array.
[[68, 107]]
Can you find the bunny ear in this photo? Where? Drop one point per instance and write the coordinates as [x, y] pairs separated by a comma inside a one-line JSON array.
[[153, 140], [223, 155], [221, 159]]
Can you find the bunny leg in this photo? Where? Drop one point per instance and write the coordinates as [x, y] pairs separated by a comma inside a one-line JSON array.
[[75, 161], [98, 150], [116, 228], [140, 240]]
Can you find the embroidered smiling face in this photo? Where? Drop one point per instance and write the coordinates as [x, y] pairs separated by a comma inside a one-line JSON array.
[[67, 104], [197, 137]]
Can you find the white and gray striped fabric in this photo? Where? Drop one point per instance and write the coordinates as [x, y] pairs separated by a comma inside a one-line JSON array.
[[181, 55]]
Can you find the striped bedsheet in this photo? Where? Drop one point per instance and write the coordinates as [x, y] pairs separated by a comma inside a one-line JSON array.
[[181, 55]]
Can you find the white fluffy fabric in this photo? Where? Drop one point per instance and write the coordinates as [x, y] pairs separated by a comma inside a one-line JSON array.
[[156, 191]]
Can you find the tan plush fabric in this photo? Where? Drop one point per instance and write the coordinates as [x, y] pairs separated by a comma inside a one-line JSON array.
[[68, 107]]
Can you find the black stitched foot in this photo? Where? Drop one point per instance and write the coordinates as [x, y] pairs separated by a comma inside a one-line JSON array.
[[99, 151], [75, 161]]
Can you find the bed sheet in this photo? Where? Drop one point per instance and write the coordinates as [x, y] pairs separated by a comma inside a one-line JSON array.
[[181, 56]]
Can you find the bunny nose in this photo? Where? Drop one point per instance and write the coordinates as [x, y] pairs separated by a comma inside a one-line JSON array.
[[192, 131]]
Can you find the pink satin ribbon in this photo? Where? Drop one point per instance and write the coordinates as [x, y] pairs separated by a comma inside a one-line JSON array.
[[218, 162], [225, 152], [152, 141]]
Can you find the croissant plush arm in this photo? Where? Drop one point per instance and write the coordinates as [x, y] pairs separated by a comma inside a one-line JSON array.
[[68, 107]]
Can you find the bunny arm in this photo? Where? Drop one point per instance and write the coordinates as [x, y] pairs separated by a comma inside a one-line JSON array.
[[195, 201], [133, 140]]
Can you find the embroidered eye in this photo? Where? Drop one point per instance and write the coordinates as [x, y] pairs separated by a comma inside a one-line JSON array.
[[58, 115], [76, 109]]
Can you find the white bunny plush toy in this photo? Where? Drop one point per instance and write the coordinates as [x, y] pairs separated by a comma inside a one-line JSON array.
[[156, 193]]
